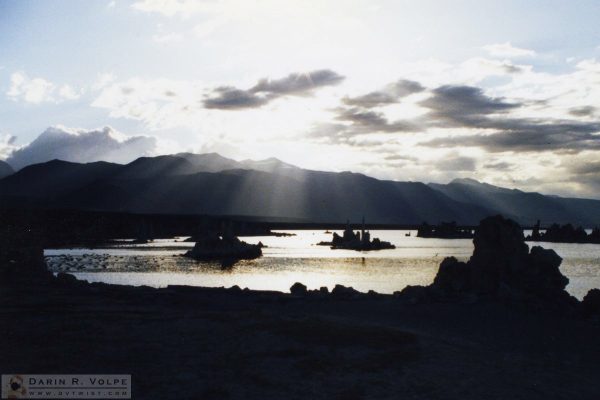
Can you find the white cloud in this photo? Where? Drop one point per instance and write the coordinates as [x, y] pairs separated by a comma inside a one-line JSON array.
[[171, 8], [35, 90], [80, 145], [7, 145], [102, 81], [205, 29], [168, 38], [68, 93], [507, 50], [111, 4], [38, 90], [159, 103]]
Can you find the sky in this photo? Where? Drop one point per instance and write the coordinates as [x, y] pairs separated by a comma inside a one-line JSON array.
[[505, 92]]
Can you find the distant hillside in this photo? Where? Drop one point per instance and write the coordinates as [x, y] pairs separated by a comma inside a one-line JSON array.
[[55, 178], [523, 206], [188, 183], [5, 169]]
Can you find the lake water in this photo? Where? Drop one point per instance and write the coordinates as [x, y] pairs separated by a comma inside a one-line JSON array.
[[297, 259]]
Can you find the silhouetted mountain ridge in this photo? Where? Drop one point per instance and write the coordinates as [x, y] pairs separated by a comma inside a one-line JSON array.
[[188, 183], [5, 169], [525, 207]]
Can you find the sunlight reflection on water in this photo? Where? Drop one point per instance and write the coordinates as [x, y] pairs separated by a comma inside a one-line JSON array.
[[297, 259]]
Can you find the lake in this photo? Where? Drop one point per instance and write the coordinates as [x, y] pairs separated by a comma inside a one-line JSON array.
[[287, 260]]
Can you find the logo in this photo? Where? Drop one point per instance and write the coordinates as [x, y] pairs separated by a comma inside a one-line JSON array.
[[16, 388], [21, 386]]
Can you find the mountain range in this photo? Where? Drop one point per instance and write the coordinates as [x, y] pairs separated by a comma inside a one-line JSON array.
[[187, 183]]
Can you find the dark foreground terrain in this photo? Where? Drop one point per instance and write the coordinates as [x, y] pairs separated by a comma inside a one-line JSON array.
[[500, 326], [213, 343]]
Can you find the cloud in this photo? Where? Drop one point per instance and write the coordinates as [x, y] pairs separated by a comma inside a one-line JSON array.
[[390, 94], [38, 90], [7, 145], [368, 121], [469, 107], [158, 103], [171, 8], [583, 111], [507, 50], [499, 166], [448, 106], [266, 90], [34, 91], [478, 69], [79, 145], [298, 83], [459, 163], [167, 37], [400, 157], [67, 92], [586, 168], [102, 81], [527, 136], [463, 105], [230, 98], [585, 172]]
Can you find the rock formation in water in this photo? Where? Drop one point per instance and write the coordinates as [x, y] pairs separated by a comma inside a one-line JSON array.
[[360, 241], [228, 249], [563, 234], [445, 230]]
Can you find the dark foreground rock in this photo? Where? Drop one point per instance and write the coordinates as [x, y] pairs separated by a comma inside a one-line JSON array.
[[188, 342], [502, 268], [591, 303]]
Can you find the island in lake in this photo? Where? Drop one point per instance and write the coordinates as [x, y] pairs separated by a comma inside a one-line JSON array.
[[227, 249], [360, 241]]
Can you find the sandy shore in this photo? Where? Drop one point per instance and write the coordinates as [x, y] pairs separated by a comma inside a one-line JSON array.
[[185, 342]]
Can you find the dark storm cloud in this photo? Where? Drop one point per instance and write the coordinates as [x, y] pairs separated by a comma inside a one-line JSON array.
[[450, 106], [230, 98], [298, 83], [390, 94], [585, 111], [83, 146], [529, 137], [512, 69], [266, 90], [499, 166], [368, 121], [462, 106], [468, 107]]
